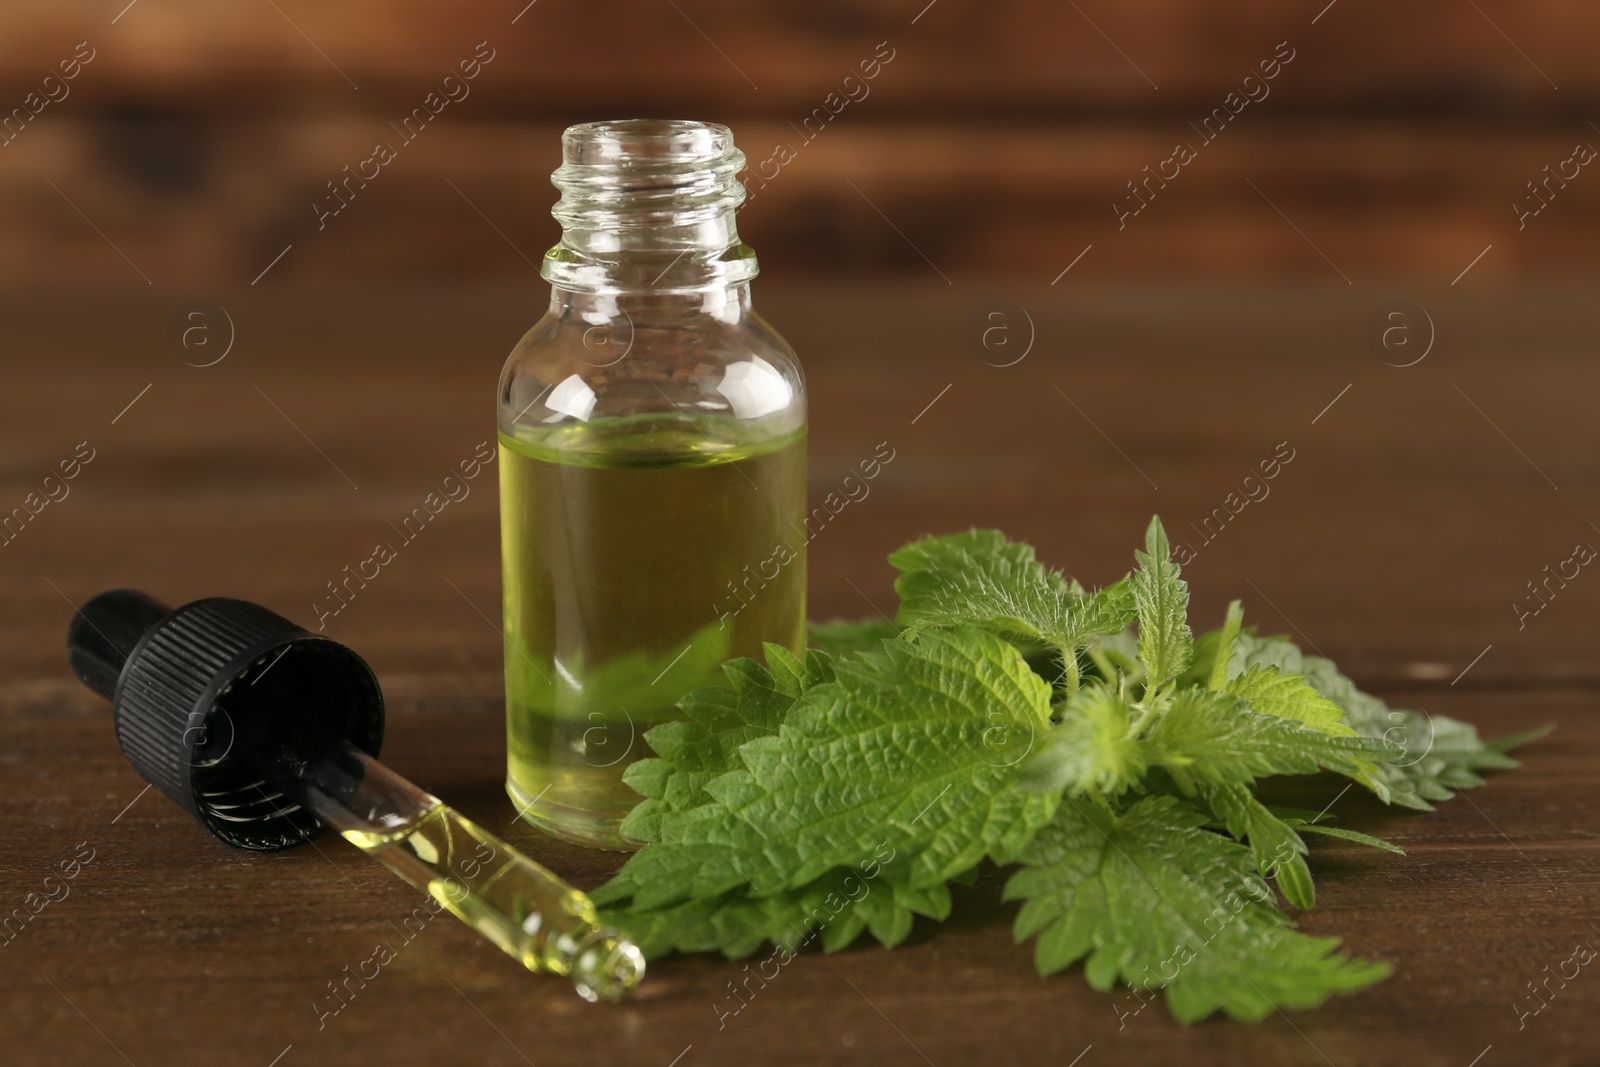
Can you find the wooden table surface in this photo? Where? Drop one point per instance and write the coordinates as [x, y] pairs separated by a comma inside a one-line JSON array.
[[1397, 541]]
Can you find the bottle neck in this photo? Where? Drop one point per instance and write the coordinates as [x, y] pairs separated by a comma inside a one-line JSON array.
[[648, 207]]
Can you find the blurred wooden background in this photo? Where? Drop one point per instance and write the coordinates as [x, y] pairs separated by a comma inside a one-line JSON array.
[[200, 134]]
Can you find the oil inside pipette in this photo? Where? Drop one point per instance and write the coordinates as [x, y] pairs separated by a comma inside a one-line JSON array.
[[507, 898]]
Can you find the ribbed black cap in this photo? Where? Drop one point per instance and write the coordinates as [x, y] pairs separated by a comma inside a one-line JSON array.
[[209, 698]]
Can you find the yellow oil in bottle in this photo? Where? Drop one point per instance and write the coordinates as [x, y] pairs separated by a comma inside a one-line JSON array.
[[639, 554]]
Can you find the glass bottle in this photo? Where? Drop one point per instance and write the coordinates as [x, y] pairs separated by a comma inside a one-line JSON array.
[[652, 469]]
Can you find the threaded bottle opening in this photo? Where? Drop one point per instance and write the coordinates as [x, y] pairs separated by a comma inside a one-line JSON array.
[[648, 204], [640, 142]]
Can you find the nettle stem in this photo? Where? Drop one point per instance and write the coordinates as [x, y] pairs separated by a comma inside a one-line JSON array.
[[1069, 666]]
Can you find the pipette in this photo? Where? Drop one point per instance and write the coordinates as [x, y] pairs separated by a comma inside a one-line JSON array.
[[265, 733]]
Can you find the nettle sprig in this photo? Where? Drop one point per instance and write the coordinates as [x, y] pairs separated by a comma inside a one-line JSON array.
[[1012, 716]]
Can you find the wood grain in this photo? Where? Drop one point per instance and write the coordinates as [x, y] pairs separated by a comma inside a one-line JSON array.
[[1395, 541], [196, 144], [1004, 58]]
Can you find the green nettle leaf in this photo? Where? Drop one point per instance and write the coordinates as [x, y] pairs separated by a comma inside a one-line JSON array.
[[812, 800], [1094, 747], [1106, 611], [1288, 696], [1279, 851], [1347, 835], [914, 749], [716, 722], [1153, 899], [1217, 738], [1162, 601], [1220, 647], [918, 745], [1439, 754], [979, 578], [1274, 838], [831, 911], [696, 750]]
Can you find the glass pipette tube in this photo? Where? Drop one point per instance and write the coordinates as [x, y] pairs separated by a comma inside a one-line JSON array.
[[532, 915]]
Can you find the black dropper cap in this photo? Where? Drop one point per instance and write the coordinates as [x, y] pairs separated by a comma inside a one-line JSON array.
[[211, 701]]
